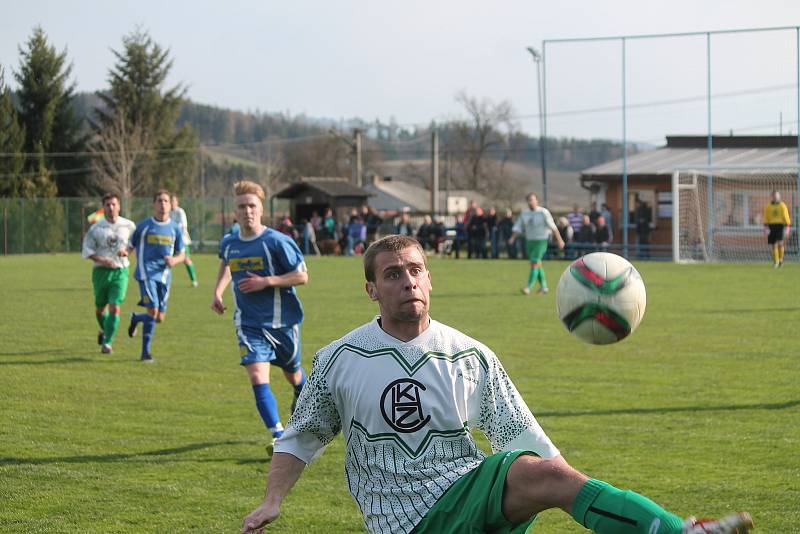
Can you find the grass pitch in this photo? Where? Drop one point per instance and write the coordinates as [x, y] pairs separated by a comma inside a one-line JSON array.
[[699, 409]]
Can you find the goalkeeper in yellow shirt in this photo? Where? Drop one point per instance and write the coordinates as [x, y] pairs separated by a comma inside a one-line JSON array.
[[776, 225]]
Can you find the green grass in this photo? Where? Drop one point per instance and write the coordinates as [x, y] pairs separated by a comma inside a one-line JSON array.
[[699, 409]]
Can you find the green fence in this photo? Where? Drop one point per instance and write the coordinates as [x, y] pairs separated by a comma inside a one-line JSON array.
[[36, 225]]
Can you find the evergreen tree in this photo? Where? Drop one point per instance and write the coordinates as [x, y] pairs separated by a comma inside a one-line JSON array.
[[12, 141], [47, 113], [167, 157]]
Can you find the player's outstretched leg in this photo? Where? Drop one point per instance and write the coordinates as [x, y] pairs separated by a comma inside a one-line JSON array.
[[100, 315], [605, 509], [542, 281], [148, 329], [533, 276]]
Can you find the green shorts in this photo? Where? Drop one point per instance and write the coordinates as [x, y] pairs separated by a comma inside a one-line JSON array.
[[110, 285], [474, 503], [535, 249]]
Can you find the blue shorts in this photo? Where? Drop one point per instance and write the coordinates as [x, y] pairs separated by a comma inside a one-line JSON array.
[[280, 346], [154, 294]]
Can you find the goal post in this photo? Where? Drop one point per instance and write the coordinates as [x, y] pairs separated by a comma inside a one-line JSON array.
[[718, 212]]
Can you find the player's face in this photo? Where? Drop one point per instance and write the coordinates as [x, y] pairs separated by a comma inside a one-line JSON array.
[[173, 202], [533, 202], [161, 207], [402, 285], [111, 209], [249, 211]]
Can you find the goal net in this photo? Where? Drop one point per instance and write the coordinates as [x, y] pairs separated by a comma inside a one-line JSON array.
[[718, 213]]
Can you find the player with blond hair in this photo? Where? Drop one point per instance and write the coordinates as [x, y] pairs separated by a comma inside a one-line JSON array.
[[265, 266]]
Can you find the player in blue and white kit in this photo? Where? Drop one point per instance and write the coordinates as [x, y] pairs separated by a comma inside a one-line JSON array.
[[264, 265], [159, 246]]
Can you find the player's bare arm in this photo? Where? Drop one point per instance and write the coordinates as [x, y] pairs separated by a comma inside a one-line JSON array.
[[175, 260], [284, 472], [253, 282], [103, 260], [223, 279]]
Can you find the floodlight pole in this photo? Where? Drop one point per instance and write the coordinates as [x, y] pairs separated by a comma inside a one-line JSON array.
[[625, 207], [538, 58], [797, 88], [709, 144]]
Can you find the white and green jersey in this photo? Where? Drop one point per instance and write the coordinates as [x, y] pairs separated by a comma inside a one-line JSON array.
[[536, 224], [179, 216], [406, 410], [107, 239]]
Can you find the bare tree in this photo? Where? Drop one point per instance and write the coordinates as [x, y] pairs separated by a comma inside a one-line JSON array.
[[489, 126], [116, 149]]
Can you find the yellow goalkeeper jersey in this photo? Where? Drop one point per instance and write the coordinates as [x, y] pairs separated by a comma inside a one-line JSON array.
[[776, 213]]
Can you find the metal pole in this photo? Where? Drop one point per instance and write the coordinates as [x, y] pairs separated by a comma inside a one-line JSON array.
[[66, 224], [434, 172], [357, 157], [797, 191], [709, 177], [624, 155], [543, 114]]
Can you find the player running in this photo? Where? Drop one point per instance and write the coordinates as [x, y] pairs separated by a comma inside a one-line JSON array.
[[536, 224], [776, 225], [178, 214], [265, 265], [406, 390], [158, 242], [106, 244]]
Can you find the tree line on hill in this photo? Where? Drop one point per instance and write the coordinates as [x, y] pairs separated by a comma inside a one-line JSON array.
[[137, 134]]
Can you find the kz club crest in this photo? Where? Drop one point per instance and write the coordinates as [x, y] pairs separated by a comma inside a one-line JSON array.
[[401, 405]]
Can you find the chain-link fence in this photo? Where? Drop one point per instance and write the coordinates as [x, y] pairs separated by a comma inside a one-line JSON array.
[[35, 225]]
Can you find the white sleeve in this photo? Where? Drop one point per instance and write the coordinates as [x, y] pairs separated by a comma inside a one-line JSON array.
[[517, 228], [548, 217], [505, 418], [89, 245], [315, 421]]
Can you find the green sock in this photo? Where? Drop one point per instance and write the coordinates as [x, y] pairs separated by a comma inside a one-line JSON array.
[[605, 509], [532, 276], [542, 281], [101, 319], [192, 273], [110, 327]]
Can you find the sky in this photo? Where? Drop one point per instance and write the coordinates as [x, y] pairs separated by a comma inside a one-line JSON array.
[[406, 61]]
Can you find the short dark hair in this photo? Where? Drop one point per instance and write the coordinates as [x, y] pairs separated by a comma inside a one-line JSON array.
[[161, 192], [390, 243], [110, 195]]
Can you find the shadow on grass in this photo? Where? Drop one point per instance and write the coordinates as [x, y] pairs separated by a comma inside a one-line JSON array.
[[123, 456], [678, 409], [34, 352], [751, 310], [59, 362]]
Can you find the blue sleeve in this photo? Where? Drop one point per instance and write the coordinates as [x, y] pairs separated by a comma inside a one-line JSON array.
[[135, 237], [222, 244], [289, 255]]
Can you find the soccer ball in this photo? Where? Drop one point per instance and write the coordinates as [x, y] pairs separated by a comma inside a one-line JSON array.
[[601, 298]]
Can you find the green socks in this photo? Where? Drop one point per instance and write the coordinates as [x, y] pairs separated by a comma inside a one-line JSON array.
[[101, 319], [542, 281], [533, 276], [191, 271], [110, 325], [605, 509]]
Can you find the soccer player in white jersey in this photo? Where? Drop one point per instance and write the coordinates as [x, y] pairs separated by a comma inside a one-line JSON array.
[[537, 225], [406, 390], [178, 215], [106, 244], [265, 266]]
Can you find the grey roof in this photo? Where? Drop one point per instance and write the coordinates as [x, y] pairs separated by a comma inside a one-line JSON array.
[[397, 195], [335, 187], [691, 152]]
